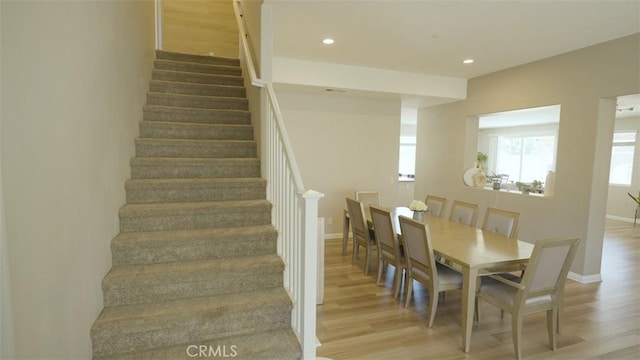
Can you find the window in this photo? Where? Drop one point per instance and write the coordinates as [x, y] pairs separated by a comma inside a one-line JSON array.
[[520, 145], [622, 152], [407, 158], [525, 158]]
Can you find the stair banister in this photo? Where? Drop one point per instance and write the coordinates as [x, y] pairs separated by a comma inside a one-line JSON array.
[[295, 211]]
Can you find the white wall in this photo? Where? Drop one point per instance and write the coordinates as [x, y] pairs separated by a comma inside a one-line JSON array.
[[74, 77], [343, 144], [619, 204], [577, 81]]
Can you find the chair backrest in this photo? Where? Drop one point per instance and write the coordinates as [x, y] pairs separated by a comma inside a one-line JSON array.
[[435, 205], [464, 213], [385, 234], [548, 268], [368, 198], [417, 242], [502, 222], [358, 219]]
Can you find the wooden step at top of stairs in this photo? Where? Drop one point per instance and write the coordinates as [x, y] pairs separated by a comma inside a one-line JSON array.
[[197, 101], [135, 284], [196, 78], [180, 167], [185, 88], [143, 327], [194, 215], [193, 58], [179, 130], [185, 245], [140, 191], [151, 147], [195, 115], [197, 68], [280, 344]]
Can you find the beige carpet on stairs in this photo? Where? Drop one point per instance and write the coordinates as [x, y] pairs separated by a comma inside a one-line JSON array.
[[195, 269]]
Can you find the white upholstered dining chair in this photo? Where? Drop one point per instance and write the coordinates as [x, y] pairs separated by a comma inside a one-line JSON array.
[[539, 289], [361, 233], [500, 221], [464, 213], [421, 265], [435, 205], [389, 252]]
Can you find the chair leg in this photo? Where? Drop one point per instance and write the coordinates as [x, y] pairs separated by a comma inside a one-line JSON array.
[[380, 270], [409, 291], [367, 259], [433, 306], [345, 233], [516, 333], [354, 254], [397, 280], [552, 321]]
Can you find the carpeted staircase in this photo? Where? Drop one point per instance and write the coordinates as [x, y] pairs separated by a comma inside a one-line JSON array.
[[195, 269]]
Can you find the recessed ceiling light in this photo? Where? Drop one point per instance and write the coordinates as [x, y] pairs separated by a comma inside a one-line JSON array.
[[467, 61], [328, 41]]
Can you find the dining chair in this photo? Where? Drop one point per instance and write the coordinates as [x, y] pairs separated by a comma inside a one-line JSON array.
[[362, 235], [435, 205], [367, 198], [500, 221], [539, 289], [389, 251], [422, 267], [464, 213]]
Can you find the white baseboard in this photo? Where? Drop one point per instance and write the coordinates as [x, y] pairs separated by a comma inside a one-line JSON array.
[[333, 236], [588, 279], [619, 218]]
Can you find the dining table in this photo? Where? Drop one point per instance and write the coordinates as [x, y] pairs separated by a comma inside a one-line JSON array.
[[476, 252]]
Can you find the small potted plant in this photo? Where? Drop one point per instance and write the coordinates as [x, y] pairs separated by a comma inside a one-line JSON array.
[[524, 188]]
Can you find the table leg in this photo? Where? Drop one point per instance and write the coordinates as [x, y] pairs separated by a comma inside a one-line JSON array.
[[345, 232], [469, 277]]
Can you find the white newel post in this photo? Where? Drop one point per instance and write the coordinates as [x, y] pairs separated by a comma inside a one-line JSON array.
[[309, 275]]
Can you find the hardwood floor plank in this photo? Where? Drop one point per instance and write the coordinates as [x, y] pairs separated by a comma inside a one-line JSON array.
[[360, 320]]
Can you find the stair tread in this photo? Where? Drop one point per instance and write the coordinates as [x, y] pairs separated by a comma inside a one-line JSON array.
[[192, 109], [194, 270], [191, 235], [195, 182], [133, 210], [191, 84], [176, 124], [275, 344], [192, 142], [167, 313], [150, 160], [230, 66], [204, 97]]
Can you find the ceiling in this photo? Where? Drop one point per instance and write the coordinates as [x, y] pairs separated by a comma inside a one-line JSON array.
[[433, 37]]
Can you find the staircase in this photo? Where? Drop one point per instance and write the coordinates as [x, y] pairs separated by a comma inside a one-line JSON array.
[[195, 269]]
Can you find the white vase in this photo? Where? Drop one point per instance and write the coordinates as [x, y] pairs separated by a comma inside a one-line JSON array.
[[418, 215]]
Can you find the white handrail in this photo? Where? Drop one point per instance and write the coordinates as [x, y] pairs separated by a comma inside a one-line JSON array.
[[295, 211]]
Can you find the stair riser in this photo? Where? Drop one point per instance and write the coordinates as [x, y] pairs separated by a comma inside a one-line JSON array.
[[186, 149], [199, 102], [202, 116], [202, 59], [195, 89], [219, 284], [183, 171], [208, 326], [195, 78], [213, 219], [150, 129], [170, 250], [194, 194], [197, 68]]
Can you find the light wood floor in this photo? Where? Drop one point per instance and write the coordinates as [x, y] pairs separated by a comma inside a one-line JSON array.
[[360, 320]]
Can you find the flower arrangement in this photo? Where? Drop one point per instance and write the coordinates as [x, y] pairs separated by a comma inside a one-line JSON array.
[[417, 205]]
